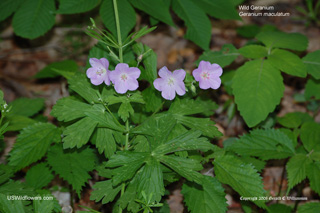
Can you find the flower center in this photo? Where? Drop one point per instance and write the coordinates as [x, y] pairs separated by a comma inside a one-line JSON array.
[[205, 75], [124, 77], [101, 72], [170, 82]]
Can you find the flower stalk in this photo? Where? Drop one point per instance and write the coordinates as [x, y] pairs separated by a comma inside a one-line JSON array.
[[116, 13]]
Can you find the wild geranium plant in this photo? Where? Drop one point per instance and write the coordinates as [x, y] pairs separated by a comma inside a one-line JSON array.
[[146, 152]]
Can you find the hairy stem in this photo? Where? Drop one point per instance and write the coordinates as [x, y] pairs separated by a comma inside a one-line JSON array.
[[115, 6]]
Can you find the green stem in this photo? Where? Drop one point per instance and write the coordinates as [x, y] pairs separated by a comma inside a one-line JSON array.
[[115, 6], [126, 146], [105, 106], [116, 13]]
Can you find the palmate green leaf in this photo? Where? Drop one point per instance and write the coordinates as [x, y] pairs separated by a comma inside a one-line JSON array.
[[79, 133], [125, 110], [156, 9], [127, 200], [312, 89], [72, 165], [221, 9], [126, 163], [7, 7], [40, 206], [68, 109], [76, 6], [157, 129], [311, 207], [169, 176], [292, 41], [26, 106], [152, 98], [66, 65], [39, 176], [81, 85], [297, 169], [183, 166], [266, 144], [150, 178], [313, 173], [140, 144], [205, 198], [10, 206], [205, 125], [242, 177], [34, 18], [99, 114], [191, 107], [127, 16], [287, 62], [198, 24], [105, 191], [104, 141], [310, 136], [188, 141], [312, 62], [32, 144], [253, 51], [258, 88], [183, 107], [224, 57]]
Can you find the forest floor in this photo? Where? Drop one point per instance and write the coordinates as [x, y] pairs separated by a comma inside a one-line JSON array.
[[21, 59]]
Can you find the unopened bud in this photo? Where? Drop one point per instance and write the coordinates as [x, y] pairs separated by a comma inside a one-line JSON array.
[[193, 89], [140, 57]]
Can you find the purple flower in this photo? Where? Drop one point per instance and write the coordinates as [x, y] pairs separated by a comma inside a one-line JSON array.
[[98, 73], [170, 83], [124, 78], [208, 75]]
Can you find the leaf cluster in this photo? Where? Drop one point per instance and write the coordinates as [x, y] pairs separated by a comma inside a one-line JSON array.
[[34, 18]]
